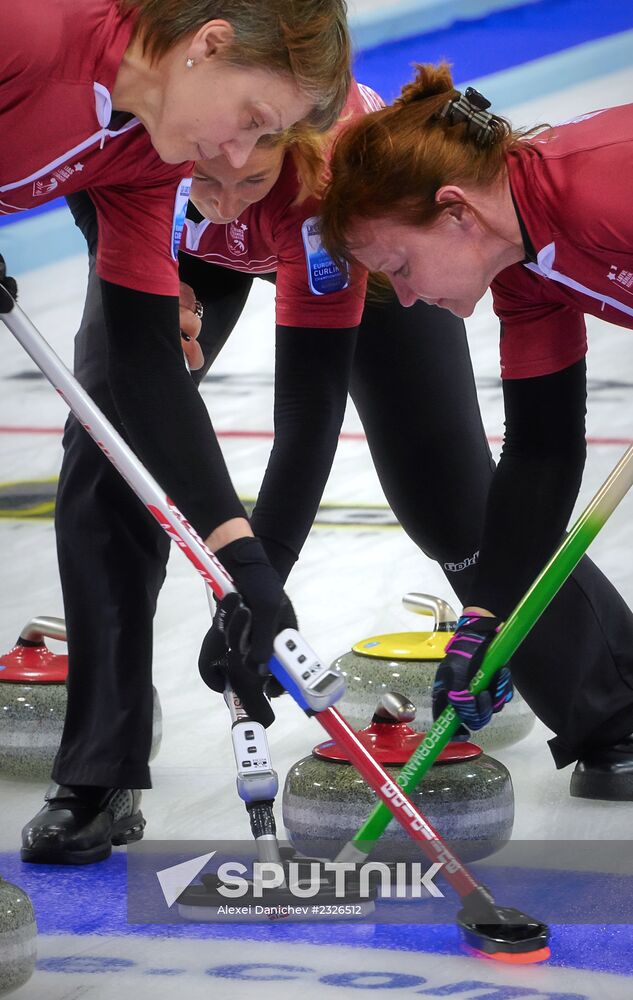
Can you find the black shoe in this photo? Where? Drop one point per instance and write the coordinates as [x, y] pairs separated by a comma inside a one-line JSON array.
[[605, 774], [79, 825]]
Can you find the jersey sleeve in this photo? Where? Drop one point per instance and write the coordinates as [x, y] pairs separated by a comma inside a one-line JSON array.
[[598, 187], [539, 336], [311, 291], [139, 233], [30, 39]]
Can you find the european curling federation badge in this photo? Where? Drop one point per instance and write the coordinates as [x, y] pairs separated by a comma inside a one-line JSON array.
[[324, 276], [180, 211]]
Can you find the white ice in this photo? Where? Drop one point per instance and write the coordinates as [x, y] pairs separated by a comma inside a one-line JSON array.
[[347, 585]]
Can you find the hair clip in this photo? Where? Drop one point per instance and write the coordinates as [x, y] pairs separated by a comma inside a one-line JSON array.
[[472, 107]]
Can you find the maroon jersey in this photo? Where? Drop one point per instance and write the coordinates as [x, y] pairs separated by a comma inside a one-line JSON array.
[[58, 65], [275, 234], [572, 189]]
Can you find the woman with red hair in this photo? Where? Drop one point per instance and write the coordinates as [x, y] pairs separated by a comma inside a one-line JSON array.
[[447, 200]]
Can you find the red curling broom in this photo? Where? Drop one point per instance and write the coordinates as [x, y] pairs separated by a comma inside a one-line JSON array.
[[499, 932]]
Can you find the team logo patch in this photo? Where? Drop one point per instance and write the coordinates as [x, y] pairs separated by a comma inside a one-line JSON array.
[[42, 188], [180, 212], [324, 277], [236, 238], [621, 277], [59, 176]]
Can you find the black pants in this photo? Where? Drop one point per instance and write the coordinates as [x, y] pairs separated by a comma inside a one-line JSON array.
[[412, 384]]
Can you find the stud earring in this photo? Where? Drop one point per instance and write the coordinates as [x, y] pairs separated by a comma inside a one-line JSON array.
[[190, 63]]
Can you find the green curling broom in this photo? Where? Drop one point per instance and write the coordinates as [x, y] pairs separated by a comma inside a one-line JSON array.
[[503, 646]]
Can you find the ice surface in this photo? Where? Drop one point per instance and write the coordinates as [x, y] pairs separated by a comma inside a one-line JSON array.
[[347, 585]]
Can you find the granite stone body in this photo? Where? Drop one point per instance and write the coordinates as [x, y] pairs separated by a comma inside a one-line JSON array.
[[31, 724], [470, 803], [369, 676], [18, 938]]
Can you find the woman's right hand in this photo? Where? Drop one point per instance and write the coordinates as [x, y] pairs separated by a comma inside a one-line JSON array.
[[239, 644], [190, 326], [6, 281]]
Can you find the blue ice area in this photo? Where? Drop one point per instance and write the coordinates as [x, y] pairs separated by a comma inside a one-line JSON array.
[[530, 32], [92, 899]]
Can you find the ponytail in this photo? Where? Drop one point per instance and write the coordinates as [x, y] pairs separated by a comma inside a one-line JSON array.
[[392, 162], [433, 89]]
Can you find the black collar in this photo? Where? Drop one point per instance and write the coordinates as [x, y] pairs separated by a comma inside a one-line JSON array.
[[193, 214], [118, 119], [528, 246]]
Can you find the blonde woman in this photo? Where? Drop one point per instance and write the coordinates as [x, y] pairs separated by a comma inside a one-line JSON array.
[[119, 99]]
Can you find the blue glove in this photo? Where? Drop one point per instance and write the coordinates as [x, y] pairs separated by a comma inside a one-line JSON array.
[[464, 654]]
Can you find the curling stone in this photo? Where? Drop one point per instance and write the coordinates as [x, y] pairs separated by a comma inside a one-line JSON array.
[[33, 702], [18, 938], [467, 795], [407, 662]]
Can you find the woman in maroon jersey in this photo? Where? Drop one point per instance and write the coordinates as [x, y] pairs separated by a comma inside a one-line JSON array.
[[409, 373], [118, 97], [447, 200]]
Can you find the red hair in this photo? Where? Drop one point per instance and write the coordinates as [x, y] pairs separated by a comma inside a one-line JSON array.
[[391, 163]]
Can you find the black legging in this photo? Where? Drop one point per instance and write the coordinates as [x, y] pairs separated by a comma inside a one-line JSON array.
[[410, 375], [414, 389], [408, 369]]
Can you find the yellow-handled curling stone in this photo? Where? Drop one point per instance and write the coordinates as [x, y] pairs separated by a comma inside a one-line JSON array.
[[33, 702], [467, 794], [407, 662], [18, 938]]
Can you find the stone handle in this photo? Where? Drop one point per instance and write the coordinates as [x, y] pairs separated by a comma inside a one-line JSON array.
[[44, 626], [444, 618], [395, 707]]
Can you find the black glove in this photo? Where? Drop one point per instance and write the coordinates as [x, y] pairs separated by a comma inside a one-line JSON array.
[[464, 653], [9, 283], [239, 643]]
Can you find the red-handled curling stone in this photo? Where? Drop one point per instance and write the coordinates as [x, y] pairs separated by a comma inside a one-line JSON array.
[[33, 702], [467, 795], [394, 745], [32, 662]]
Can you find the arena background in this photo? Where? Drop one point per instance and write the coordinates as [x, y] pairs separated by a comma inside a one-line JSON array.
[[546, 60]]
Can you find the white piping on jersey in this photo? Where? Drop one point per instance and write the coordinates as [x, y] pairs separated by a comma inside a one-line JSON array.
[[371, 100], [103, 104], [194, 231], [248, 266], [103, 108], [544, 267], [12, 208]]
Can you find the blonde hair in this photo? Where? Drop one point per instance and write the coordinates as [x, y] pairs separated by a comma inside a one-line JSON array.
[[305, 39], [308, 149]]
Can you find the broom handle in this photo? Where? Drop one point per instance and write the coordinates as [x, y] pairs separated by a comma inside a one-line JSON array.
[[180, 531], [523, 618]]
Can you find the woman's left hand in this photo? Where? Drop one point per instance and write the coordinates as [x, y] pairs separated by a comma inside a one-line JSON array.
[[190, 326]]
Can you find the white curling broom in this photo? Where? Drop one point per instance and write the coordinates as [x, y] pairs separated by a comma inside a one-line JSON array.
[[502, 932]]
